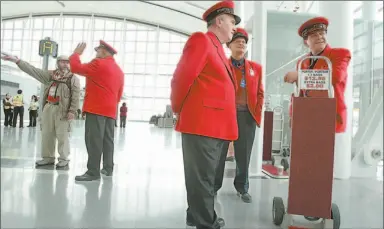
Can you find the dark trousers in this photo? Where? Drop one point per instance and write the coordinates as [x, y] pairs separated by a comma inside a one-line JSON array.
[[18, 111], [8, 117], [32, 117], [201, 156], [99, 134], [243, 148], [123, 121]]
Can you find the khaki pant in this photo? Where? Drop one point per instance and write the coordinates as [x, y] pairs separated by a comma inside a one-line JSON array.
[[53, 128]]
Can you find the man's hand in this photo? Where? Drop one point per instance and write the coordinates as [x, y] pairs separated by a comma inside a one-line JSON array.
[[80, 48], [70, 116], [11, 58], [291, 77]]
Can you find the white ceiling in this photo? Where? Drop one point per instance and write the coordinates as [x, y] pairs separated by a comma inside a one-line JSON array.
[[153, 12], [184, 16]]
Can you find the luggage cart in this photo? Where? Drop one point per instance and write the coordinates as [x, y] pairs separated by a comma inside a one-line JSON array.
[[313, 137], [277, 134], [280, 145], [286, 148]]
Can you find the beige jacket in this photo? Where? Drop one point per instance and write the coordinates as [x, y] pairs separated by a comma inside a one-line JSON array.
[[69, 97]]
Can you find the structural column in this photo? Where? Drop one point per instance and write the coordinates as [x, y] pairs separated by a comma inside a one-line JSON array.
[[239, 11], [369, 13], [259, 50], [340, 34]]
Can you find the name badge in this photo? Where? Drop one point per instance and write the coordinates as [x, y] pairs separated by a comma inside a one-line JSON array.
[[242, 83], [251, 72]]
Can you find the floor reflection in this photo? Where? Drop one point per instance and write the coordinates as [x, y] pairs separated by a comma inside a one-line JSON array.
[[147, 189]]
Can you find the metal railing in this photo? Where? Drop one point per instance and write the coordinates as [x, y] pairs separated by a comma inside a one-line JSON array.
[[285, 65]]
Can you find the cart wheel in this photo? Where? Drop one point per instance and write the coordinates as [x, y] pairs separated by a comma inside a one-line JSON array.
[[288, 152], [273, 161], [278, 211], [335, 215], [285, 164]]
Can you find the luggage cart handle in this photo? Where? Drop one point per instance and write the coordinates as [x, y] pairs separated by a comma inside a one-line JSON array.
[[329, 64]]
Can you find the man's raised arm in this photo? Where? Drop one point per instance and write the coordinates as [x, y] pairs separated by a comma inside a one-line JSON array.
[[87, 70]]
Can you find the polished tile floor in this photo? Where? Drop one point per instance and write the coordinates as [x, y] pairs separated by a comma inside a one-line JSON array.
[[147, 190]]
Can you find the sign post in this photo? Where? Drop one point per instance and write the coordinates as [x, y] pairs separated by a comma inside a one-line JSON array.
[[47, 48]]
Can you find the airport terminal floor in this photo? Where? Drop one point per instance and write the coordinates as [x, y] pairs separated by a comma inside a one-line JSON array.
[[147, 189]]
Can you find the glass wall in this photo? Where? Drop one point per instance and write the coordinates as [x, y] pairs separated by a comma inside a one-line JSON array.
[[367, 66], [148, 54]]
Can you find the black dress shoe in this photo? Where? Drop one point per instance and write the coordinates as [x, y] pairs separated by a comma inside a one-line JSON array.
[[106, 172], [87, 177], [190, 221], [219, 223], [245, 197]]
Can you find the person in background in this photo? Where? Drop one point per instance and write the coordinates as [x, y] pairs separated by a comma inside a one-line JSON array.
[[33, 107], [103, 91], [203, 99], [123, 115], [18, 108], [8, 111], [60, 102], [249, 106]]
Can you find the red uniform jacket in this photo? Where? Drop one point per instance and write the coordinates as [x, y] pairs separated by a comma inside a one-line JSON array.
[[340, 59], [104, 84], [255, 89], [203, 89]]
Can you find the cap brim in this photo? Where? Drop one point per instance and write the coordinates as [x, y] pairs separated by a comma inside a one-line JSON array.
[[239, 35], [237, 19], [315, 30]]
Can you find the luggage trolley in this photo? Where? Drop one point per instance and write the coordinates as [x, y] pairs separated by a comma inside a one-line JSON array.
[[277, 135], [286, 136], [312, 140]]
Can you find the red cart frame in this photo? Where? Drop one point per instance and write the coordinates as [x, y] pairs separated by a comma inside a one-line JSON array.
[[312, 154]]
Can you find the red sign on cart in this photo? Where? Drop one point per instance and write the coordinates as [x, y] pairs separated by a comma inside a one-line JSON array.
[[312, 79]]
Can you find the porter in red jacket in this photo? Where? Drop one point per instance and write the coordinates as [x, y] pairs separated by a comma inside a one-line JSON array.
[[203, 96], [249, 105], [104, 84], [314, 33], [203, 89], [103, 91]]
